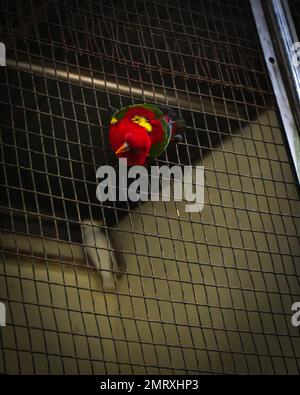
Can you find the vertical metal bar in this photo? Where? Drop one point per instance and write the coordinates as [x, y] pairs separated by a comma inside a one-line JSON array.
[[284, 31], [283, 100]]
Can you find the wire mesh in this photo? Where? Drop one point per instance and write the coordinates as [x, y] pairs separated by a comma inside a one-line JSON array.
[[207, 292]]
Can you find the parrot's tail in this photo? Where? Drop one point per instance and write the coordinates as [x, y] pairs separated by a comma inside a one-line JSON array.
[[100, 254], [179, 126], [178, 130]]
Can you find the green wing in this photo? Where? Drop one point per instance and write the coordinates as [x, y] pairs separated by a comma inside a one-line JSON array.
[[158, 148]]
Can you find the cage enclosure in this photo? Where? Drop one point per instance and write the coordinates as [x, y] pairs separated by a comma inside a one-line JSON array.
[[207, 292]]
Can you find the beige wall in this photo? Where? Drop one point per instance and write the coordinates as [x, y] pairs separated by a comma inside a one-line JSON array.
[[211, 291]]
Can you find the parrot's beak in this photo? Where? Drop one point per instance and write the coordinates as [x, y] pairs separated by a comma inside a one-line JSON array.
[[124, 148]]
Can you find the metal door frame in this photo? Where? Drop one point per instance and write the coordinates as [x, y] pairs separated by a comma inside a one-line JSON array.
[[277, 35]]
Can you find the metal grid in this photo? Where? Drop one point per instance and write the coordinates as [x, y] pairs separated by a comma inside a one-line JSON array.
[[198, 293]]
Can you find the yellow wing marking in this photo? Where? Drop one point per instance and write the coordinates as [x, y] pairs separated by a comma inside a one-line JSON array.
[[141, 121]]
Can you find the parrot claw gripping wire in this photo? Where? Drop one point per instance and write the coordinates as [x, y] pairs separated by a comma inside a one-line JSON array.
[[100, 254]]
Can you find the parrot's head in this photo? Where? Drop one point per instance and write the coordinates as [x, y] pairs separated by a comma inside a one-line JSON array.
[[135, 147], [130, 137]]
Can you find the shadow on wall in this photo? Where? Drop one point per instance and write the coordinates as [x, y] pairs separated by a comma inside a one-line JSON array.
[[208, 292]]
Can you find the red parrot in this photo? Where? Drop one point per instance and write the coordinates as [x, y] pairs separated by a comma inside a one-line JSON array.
[[141, 131]]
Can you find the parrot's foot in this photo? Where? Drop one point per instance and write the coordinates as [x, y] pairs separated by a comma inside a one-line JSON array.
[[170, 112], [99, 252]]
